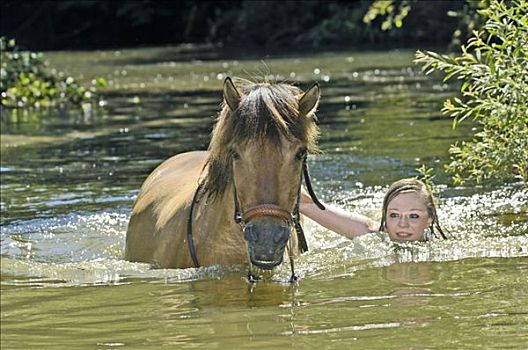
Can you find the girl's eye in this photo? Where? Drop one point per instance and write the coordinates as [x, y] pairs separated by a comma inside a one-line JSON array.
[[393, 215], [414, 216], [301, 154]]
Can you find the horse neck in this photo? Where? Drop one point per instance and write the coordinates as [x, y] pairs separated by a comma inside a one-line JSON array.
[[215, 215]]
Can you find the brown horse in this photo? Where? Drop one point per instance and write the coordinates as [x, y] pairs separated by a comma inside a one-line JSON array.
[[184, 213]]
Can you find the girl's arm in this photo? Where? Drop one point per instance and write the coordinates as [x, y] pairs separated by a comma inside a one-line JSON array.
[[336, 219]]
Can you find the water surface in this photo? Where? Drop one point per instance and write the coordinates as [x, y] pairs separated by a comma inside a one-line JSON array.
[[69, 179]]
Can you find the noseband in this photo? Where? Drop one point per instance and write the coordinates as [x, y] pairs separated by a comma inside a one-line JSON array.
[[267, 210]]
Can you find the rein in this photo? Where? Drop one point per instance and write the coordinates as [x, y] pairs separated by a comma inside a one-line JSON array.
[[190, 243], [261, 210]]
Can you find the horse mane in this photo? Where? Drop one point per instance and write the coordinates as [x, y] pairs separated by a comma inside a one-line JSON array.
[[266, 112]]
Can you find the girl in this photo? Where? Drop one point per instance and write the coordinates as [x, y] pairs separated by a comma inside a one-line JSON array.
[[408, 214]]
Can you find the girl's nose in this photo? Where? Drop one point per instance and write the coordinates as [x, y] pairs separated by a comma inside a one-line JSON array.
[[403, 221]]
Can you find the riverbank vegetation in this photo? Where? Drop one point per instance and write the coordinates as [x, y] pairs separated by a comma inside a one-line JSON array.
[[26, 81], [492, 70], [278, 25]]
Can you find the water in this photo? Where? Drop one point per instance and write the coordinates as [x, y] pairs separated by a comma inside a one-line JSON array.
[[69, 179]]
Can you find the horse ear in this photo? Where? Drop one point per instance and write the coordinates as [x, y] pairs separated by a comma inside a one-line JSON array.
[[309, 100], [231, 94]]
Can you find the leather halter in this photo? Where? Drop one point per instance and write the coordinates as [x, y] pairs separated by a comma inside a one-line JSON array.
[[261, 210]]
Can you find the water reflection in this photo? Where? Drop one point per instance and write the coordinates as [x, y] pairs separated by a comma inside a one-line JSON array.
[[412, 288], [411, 274]]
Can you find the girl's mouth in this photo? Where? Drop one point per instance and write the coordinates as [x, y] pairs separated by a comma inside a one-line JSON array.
[[403, 235]]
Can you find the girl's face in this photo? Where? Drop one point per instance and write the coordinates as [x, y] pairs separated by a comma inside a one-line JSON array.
[[407, 217]]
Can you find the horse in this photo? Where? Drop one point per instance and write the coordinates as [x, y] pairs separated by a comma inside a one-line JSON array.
[[238, 200]]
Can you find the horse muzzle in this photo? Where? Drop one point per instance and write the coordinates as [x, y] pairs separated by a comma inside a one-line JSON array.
[[266, 240]]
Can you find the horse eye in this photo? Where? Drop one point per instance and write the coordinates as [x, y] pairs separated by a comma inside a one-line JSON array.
[[301, 154], [235, 155]]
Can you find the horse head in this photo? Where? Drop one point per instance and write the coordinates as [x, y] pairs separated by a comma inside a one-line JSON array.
[[258, 149]]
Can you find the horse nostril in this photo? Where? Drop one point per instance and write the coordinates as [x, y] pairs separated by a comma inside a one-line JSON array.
[[282, 236], [249, 234]]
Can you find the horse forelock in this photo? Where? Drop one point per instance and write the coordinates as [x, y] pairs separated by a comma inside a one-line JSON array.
[[266, 113]]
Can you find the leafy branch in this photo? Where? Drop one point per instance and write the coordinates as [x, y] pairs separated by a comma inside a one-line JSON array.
[[493, 70]]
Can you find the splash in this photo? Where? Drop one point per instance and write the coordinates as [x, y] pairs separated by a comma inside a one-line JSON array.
[[87, 248]]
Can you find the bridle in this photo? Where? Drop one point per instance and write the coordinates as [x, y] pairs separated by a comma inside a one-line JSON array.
[[265, 209]]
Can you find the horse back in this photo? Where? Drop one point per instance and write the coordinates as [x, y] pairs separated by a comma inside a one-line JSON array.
[[157, 227]]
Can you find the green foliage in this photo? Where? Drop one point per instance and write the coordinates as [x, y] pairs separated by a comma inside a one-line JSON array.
[[427, 176], [304, 24], [492, 68], [468, 19], [390, 15], [394, 13], [26, 81]]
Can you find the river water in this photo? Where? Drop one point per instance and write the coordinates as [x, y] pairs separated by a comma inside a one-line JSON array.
[[69, 179]]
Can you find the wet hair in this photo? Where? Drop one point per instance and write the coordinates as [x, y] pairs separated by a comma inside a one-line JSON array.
[[413, 185]]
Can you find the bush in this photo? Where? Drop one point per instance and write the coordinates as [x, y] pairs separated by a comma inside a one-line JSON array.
[[26, 82], [493, 71]]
